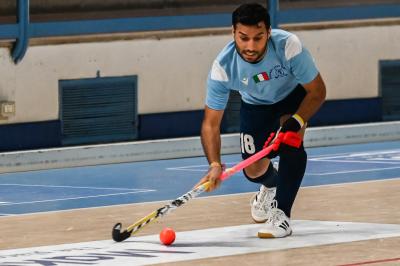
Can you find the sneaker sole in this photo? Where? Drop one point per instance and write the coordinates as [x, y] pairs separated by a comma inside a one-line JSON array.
[[269, 235], [265, 235], [259, 221]]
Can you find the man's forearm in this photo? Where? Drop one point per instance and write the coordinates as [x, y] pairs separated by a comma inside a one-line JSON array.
[[211, 141], [316, 93], [310, 106]]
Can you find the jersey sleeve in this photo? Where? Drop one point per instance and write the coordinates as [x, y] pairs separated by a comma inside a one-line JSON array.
[[301, 62], [217, 94], [217, 90]]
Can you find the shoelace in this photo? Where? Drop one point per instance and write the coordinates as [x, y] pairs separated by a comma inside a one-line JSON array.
[[275, 215], [259, 203], [264, 196]]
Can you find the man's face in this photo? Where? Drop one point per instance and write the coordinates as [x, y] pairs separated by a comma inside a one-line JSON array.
[[251, 41]]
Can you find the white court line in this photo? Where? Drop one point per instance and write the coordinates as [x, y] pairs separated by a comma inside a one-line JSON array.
[[376, 152], [346, 154], [325, 158], [189, 166], [53, 186], [86, 197], [347, 161], [188, 170], [356, 171], [395, 159], [358, 154]]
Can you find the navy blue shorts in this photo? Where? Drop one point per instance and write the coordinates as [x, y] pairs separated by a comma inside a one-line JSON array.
[[257, 122]]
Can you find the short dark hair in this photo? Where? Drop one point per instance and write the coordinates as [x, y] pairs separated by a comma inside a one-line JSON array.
[[251, 14]]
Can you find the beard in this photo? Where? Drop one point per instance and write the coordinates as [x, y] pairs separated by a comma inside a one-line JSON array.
[[256, 56]]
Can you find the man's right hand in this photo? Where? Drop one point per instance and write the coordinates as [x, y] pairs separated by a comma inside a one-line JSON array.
[[213, 176], [273, 140]]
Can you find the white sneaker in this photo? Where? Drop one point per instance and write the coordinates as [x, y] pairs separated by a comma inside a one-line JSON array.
[[278, 224], [261, 203]]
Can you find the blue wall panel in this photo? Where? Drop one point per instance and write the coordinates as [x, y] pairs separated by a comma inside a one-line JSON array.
[[30, 135], [339, 112], [167, 125]]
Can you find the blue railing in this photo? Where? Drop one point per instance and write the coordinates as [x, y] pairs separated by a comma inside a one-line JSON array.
[[23, 30], [22, 40], [84, 27]]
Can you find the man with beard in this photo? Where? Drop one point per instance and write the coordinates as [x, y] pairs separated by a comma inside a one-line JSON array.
[[281, 89]]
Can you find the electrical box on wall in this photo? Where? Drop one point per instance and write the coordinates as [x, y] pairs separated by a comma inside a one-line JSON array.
[[7, 109]]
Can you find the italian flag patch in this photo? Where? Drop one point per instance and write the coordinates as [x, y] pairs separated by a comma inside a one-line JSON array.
[[263, 76]]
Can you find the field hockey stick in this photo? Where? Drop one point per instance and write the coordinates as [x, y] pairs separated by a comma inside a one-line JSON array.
[[289, 138]]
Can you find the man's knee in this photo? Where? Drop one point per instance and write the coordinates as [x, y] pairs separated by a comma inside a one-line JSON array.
[[257, 168], [268, 178]]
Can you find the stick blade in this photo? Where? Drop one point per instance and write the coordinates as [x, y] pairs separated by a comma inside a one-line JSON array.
[[119, 236]]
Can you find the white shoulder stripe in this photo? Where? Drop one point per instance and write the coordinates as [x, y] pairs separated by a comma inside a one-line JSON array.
[[293, 47], [218, 73]]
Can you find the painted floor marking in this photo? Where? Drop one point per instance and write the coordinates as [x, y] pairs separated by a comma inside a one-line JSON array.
[[198, 167], [193, 169], [73, 187], [378, 155], [354, 171], [371, 262], [75, 198], [368, 161], [374, 157], [199, 244]]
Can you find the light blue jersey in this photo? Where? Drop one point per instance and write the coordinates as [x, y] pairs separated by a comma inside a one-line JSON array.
[[286, 64]]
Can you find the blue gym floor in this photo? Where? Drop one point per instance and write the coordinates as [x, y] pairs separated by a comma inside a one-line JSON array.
[[104, 185]]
